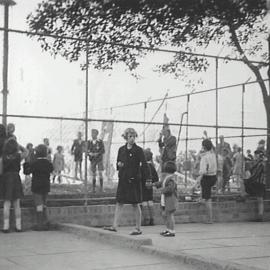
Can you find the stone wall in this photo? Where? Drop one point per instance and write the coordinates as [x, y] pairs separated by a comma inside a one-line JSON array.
[[101, 215]]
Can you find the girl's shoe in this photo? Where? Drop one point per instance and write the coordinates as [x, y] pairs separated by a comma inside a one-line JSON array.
[[5, 231], [136, 232], [164, 232], [169, 234], [110, 228]]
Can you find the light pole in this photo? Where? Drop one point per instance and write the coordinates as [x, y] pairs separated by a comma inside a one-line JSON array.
[[6, 4]]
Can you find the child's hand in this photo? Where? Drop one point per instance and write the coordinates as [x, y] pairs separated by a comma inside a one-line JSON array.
[[120, 164], [148, 184]]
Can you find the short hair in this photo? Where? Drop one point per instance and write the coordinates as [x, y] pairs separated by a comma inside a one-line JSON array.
[[59, 148], [10, 125], [262, 141], [207, 144], [169, 167], [148, 154], [29, 145], [129, 131], [94, 130], [41, 151], [259, 152]]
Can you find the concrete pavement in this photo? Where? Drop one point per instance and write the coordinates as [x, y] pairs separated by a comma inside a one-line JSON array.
[[243, 245], [56, 250]]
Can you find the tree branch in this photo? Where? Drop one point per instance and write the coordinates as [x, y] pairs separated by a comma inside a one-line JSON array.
[[253, 68]]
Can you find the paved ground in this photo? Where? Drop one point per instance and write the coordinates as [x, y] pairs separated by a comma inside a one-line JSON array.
[[246, 243], [59, 250]]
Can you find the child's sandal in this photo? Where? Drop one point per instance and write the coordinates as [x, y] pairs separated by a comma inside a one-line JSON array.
[[164, 232], [169, 234]]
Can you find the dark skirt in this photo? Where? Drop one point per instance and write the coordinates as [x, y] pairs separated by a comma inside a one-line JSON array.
[[12, 186], [129, 192]]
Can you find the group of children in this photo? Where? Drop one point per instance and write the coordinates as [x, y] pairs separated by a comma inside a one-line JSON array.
[[37, 163]]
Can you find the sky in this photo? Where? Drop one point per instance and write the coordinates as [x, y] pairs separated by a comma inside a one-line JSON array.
[[42, 85]]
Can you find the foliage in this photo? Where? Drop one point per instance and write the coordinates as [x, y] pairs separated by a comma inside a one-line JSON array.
[[189, 25]]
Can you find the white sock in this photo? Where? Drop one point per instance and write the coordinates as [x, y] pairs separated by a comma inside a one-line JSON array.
[[18, 224], [6, 224]]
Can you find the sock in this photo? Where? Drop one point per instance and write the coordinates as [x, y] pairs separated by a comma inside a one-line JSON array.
[[6, 224], [18, 224]]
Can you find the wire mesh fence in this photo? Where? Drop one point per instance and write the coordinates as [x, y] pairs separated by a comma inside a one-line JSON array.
[[40, 107]]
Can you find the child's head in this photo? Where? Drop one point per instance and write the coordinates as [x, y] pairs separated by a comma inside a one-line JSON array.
[[170, 167], [11, 147], [94, 133], [258, 154], [41, 151], [10, 128], [29, 146], [207, 145], [148, 154], [46, 141], [59, 149]]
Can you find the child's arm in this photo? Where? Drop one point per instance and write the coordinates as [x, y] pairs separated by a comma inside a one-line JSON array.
[[197, 183], [24, 152], [169, 188], [157, 184]]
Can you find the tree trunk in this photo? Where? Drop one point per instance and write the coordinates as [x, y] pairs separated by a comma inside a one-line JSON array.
[[267, 109]]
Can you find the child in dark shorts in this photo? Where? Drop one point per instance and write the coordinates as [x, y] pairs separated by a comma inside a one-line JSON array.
[[168, 198], [147, 190], [40, 169]]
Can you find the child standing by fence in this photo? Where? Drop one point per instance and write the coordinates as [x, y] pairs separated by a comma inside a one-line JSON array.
[[147, 190], [41, 169], [58, 164], [12, 185], [168, 198]]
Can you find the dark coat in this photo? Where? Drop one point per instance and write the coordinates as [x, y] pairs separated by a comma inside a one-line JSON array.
[[97, 148], [170, 192], [129, 190], [147, 193], [41, 170]]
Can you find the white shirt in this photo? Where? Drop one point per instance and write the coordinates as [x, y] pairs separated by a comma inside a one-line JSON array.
[[208, 164]]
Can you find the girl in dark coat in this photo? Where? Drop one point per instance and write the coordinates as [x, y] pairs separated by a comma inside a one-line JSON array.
[[12, 185], [130, 165]]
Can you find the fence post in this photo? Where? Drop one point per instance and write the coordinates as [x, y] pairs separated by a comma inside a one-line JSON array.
[[144, 117], [216, 101], [86, 125], [186, 154], [242, 130]]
